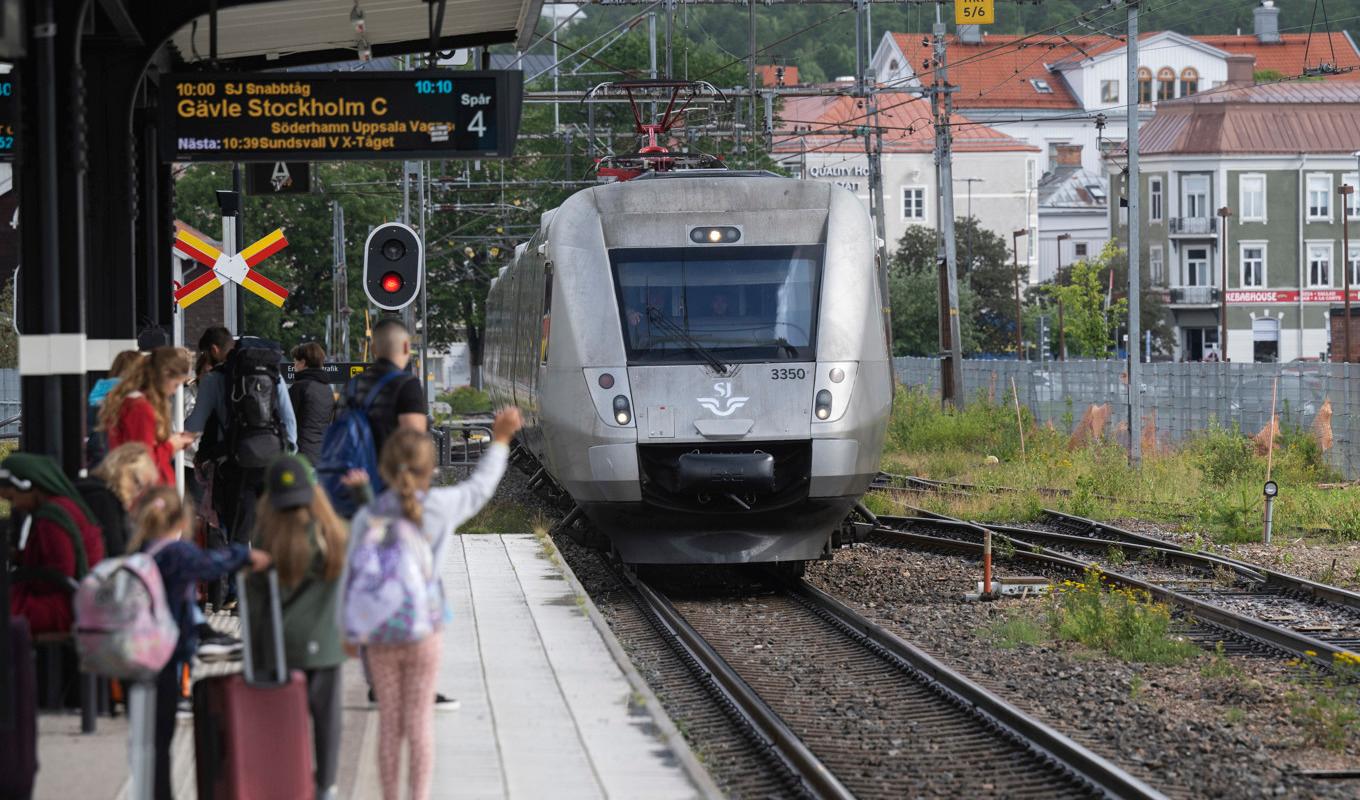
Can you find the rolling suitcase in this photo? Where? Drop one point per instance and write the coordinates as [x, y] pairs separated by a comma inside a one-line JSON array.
[[18, 692], [253, 737]]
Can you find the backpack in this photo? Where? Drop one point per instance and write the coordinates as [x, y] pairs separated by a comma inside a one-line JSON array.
[[123, 624], [392, 595], [348, 444], [254, 431]]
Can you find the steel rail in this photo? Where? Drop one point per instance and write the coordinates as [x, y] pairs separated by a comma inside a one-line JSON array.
[[817, 780], [1296, 644], [1293, 583], [1045, 741]]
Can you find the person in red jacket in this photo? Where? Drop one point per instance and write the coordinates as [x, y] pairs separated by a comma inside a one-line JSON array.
[[61, 545], [138, 408]]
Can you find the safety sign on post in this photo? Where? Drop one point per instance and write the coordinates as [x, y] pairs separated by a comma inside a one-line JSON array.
[[974, 12], [238, 269]]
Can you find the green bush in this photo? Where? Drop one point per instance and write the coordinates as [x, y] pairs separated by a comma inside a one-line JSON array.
[[1223, 455], [983, 427], [465, 401], [1125, 623]]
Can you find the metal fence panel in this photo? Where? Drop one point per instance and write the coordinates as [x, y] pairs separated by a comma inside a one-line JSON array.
[[1179, 400]]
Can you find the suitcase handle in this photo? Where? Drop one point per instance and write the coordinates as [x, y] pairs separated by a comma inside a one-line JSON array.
[[276, 618]]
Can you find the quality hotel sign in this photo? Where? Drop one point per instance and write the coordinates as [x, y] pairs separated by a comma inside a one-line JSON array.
[[366, 115]]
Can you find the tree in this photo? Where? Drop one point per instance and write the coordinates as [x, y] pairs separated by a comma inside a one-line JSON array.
[[1090, 327], [915, 299], [984, 269], [1152, 312]]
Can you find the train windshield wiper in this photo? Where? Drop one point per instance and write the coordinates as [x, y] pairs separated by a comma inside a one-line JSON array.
[[658, 318]]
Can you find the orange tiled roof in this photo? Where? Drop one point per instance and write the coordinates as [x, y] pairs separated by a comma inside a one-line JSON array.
[[826, 124], [766, 74], [1287, 57]]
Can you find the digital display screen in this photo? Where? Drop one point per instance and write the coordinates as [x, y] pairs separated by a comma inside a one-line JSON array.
[[300, 116]]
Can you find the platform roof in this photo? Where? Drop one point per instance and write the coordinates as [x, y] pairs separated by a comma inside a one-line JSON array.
[[289, 32]]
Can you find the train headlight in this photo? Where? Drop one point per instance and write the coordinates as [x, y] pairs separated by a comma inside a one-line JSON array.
[[822, 404], [836, 375], [623, 413], [718, 234]]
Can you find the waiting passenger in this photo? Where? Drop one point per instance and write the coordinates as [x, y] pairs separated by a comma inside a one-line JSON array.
[[138, 408], [297, 527], [162, 520], [719, 306], [313, 400], [404, 674], [113, 488], [62, 543]]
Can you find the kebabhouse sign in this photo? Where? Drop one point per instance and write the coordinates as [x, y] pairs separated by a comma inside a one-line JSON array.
[[344, 115]]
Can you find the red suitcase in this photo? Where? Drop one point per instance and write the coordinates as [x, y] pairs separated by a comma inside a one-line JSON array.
[[252, 737]]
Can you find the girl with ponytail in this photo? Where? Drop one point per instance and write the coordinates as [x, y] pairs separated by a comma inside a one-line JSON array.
[[138, 408], [404, 674]]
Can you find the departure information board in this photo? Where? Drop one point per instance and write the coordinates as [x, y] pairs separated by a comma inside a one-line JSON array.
[[304, 116], [9, 116]]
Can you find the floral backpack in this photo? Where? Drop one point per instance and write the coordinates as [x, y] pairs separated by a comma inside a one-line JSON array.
[[392, 594], [123, 624]]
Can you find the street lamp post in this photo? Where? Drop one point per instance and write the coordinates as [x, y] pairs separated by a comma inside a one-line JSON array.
[[1019, 312], [1346, 190], [1223, 214], [1062, 331]]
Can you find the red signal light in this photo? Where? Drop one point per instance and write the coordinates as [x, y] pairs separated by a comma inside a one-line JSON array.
[[391, 283]]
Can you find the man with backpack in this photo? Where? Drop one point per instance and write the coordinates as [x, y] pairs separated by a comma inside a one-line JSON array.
[[246, 419]]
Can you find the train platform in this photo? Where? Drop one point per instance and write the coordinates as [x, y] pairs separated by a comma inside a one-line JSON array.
[[549, 704]]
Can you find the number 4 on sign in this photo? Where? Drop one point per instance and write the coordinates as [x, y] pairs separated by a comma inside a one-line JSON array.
[[238, 269], [974, 12]]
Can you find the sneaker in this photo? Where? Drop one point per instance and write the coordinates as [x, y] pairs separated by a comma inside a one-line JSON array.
[[185, 709], [213, 645], [442, 703]]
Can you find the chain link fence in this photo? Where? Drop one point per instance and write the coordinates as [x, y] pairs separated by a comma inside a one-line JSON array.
[[1179, 400]]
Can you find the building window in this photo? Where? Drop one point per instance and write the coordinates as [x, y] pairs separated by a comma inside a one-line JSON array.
[[1251, 198], [1197, 267], [1109, 91], [1195, 196], [1320, 197], [1166, 83], [1155, 209], [1156, 266], [1144, 85], [1352, 209], [1079, 250], [1320, 265], [914, 203], [1041, 86], [1189, 81], [1353, 261], [1253, 259]]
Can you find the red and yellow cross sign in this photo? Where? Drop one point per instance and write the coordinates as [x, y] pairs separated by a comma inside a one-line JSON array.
[[237, 269]]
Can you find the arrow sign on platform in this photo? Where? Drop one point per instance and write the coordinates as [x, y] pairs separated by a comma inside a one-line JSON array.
[[238, 269]]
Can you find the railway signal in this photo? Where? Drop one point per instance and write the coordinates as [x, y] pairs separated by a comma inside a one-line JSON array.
[[394, 266]]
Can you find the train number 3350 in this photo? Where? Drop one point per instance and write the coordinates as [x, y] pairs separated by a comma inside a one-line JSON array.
[[785, 374]]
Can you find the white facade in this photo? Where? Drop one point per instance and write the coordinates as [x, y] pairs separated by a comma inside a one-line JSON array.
[[1004, 191], [1090, 231]]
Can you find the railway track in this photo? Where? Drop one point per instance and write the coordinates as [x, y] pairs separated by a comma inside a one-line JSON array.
[[850, 710], [1249, 607]]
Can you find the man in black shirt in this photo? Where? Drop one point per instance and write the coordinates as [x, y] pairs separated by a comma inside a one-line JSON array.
[[401, 404]]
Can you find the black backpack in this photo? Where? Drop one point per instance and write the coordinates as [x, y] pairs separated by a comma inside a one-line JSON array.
[[254, 429]]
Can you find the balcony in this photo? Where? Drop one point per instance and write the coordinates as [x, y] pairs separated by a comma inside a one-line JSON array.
[[1194, 295], [1192, 226]]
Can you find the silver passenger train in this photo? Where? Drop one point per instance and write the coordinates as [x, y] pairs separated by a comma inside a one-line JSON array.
[[702, 361]]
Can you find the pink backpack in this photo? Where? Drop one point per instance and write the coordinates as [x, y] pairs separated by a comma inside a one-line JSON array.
[[123, 624]]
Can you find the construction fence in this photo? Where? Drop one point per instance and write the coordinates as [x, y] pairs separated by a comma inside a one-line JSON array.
[[1179, 400]]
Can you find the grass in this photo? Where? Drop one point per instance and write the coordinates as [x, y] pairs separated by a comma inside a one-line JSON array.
[[1210, 483], [1124, 623], [1017, 630], [1328, 708], [466, 401], [501, 517]]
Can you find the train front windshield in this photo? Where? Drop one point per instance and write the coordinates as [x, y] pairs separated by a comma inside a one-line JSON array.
[[690, 304]]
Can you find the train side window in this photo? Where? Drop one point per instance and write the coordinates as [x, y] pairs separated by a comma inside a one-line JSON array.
[[546, 327]]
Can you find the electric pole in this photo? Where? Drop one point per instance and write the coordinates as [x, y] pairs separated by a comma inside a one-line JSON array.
[[942, 103], [873, 145], [1132, 188]]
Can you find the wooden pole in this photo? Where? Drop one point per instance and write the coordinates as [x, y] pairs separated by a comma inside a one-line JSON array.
[[1270, 426], [1018, 424], [1223, 214], [1346, 190]]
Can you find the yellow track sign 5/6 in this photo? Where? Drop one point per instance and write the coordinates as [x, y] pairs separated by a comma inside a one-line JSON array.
[[974, 12]]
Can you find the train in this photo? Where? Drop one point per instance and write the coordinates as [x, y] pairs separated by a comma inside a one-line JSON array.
[[702, 360]]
